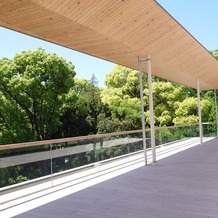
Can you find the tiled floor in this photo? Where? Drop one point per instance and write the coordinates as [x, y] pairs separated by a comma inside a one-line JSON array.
[[183, 185]]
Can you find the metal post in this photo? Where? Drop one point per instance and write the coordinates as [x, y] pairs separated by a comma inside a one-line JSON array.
[[142, 110], [51, 165], [216, 111], [151, 108], [199, 112]]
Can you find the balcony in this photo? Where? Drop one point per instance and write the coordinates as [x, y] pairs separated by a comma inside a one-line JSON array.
[[105, 176]]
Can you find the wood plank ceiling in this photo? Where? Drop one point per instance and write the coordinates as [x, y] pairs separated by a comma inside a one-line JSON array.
[[118, 31]]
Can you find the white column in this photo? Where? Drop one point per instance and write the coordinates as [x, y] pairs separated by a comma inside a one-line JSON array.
[[199, 112], [142, 110], [216, 111], [151, 108]]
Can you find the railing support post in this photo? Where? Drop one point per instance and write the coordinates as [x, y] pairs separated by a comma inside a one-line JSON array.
[[51, 163], [142, 110], [151, 108], [199, 112]]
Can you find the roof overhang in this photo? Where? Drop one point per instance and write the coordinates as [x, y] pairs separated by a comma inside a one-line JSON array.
[[119, 31]]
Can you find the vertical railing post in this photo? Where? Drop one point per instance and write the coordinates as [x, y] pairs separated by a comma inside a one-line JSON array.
[[215, 97], [199, 112], [51, 163], [151, 108], [142, 110]]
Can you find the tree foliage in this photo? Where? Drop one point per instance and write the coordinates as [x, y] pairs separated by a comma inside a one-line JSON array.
[[122, 98], [173, 104], [215, 53], [80, 117], [41, 99], [33, 88]]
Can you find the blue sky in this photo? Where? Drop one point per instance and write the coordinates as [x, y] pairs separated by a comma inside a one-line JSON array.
[[198, 17], [85, 66]]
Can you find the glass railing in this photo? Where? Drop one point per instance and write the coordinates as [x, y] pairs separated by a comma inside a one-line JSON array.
[[210, 129], [44, 164], [165, 135], [30, 161]]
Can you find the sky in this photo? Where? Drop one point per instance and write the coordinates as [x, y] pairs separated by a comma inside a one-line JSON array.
[[198, 17]]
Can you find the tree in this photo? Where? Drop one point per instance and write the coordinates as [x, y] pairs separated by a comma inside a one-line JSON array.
[[187, 111], [33, 88], [165, 95], [94, 80], [215, 53], [81, 117], [122, 97], [173, 103]]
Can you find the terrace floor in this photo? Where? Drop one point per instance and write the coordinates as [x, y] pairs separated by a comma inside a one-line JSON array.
[[182, 185]]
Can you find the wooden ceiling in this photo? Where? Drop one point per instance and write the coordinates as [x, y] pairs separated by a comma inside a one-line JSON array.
[[119, 31]]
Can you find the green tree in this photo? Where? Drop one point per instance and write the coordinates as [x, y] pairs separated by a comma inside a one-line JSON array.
[[33, 88], [187, 111], [122, 97], [173, 103], [165, 95], [215, 53], [81, 116]]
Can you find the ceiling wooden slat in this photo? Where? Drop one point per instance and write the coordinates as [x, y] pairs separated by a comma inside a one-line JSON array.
[[119, 31]]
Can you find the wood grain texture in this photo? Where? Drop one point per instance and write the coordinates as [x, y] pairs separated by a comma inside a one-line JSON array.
[[119, 31], [180, 186], [70, 139]]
